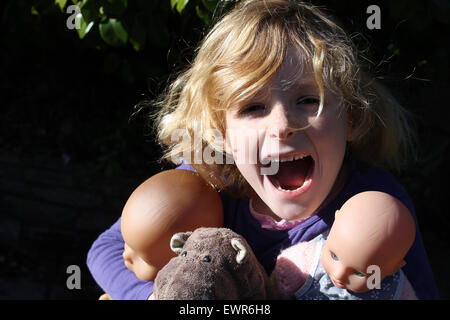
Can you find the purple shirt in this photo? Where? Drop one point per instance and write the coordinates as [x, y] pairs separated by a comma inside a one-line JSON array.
[[107, 266]]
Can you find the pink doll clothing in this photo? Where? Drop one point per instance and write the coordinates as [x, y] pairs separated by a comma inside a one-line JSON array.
[[270, 223]]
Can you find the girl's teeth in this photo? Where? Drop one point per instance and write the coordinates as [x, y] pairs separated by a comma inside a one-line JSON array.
[[290, 158]]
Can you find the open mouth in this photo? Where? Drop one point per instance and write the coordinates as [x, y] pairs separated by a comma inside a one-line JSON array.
[[293, 174]]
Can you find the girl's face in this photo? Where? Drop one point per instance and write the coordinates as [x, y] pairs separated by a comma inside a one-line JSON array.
[[291, 171]]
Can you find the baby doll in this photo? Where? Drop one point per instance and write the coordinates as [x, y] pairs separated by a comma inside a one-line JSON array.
[[169, 202], [361, 257]]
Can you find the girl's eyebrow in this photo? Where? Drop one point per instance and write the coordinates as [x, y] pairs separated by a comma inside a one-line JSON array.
[[308, 82]]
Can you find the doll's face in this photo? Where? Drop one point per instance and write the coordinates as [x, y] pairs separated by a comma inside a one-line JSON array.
[[371, 229], [135, 263], [347, 264], [310, 159]]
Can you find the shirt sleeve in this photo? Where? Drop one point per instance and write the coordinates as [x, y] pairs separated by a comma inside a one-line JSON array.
[[106, 264]]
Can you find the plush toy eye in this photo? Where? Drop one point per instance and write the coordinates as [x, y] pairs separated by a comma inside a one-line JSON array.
[[183, 254], [206, 259]]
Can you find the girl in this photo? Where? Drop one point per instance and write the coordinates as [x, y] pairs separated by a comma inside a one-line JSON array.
[[305, 127]]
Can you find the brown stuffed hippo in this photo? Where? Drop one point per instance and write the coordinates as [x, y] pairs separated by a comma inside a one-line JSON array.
[[212, 263]]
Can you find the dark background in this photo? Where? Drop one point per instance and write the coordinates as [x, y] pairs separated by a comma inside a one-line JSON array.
[[74, 140]]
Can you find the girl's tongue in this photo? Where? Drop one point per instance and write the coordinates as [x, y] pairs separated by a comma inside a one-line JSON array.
[[292, 174]]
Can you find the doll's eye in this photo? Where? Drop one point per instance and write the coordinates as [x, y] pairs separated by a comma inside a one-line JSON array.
[[333, 256], [183, 254], [206, 259], [360, 274]]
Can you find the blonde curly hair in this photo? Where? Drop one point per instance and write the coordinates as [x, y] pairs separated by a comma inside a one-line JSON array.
[[240, 55]]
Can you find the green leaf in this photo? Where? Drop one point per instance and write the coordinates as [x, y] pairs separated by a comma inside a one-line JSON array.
[[113, 32], [178, 4], [84, 26], [90, 10], [203, 14], [34, 11], [61, 4]]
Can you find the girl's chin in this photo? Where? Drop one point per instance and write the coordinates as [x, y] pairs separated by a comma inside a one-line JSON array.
[[289, 212]]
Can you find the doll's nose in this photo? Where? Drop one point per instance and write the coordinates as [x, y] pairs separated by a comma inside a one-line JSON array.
[[127, 256], [339, 275]]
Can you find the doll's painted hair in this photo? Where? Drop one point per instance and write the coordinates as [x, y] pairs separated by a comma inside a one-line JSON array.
[[242, 52]]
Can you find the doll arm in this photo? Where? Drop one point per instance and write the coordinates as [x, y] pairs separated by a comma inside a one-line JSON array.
[[293, 266], [106, 264]]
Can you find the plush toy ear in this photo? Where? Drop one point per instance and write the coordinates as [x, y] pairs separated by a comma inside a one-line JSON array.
[[241, 250], [177, 241]]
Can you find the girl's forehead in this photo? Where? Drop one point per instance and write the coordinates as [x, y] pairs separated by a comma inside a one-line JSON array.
[[294, 70]]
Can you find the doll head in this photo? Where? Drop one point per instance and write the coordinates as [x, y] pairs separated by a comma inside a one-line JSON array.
[[169, 202], [371, 229]]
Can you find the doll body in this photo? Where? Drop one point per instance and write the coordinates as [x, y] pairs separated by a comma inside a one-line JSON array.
[[372, 229], [300, 275]]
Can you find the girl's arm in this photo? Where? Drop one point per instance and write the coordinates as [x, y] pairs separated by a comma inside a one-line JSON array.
[[107, 266]]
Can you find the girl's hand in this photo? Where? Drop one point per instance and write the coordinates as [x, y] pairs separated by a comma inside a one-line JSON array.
[[104, 296]]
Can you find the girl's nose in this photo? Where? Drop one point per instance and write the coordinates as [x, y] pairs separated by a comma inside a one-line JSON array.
[[279, 123]]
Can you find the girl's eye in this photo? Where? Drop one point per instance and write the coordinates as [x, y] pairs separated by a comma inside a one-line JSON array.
[[333, 256], [308, 100], [183, 254], [252, 108], [359, 274]]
